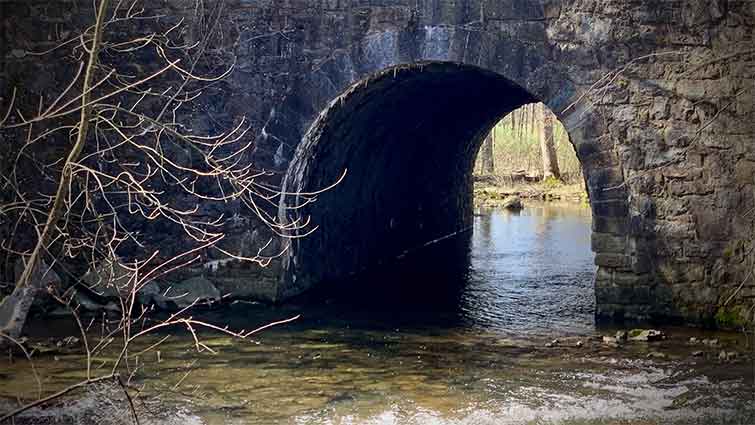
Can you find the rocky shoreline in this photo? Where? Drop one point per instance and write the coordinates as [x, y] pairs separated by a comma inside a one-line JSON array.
[[513, 196]]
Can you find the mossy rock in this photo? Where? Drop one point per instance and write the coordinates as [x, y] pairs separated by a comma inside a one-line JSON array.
[[731, 317], [552, 182]]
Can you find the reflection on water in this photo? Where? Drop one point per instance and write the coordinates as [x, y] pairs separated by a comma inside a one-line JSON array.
[[521, 273], [531, 271], [451, 335]]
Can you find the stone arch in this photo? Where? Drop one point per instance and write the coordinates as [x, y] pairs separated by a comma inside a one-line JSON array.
[[408, 136]]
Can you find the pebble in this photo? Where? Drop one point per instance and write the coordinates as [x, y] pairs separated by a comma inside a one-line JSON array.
[[727, 356], [580, 344]]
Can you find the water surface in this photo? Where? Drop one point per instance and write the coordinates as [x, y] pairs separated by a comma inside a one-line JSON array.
[[454, 333]]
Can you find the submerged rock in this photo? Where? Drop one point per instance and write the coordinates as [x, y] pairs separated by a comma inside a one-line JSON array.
[[513, 203], [646, 335]]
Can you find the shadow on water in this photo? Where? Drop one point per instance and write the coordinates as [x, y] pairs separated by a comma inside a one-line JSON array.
[[517, 272], [422, 288]]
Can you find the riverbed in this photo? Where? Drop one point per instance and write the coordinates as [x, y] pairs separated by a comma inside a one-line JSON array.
[[494, 326]]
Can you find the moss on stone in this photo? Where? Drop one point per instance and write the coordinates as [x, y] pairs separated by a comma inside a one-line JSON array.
[[728, 252], [733, 250], [730, 317]]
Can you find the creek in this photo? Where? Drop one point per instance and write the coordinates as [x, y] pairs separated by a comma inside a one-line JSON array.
[[460, 332]]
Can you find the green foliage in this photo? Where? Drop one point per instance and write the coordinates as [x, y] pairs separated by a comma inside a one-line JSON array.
[[551, 182]]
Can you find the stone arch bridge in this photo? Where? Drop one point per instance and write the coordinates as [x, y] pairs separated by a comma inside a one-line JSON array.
[[657, 98]]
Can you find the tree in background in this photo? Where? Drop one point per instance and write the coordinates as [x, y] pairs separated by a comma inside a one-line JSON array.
[[487, 161], [518, 146], [547, 143]]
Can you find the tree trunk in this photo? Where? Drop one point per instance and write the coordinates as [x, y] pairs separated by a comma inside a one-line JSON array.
[[15, 308], [486, 155], [547, 144]]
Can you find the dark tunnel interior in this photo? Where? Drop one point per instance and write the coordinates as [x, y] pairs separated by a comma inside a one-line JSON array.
[[408, 139]]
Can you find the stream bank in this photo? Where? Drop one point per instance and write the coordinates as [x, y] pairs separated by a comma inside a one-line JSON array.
[[494, 192]]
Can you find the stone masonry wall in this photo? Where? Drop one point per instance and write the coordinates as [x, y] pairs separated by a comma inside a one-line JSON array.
[[657, 97]]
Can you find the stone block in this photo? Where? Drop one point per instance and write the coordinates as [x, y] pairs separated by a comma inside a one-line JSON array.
[[602, 178], [613, 225], [641, 263], [608, 243], [660, 108], [613, 261], [611, 208], [667, 272], [685, 188], [745, 172], [630, 279]]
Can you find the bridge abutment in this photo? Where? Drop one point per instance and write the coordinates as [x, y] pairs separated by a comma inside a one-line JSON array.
[[657, 98]]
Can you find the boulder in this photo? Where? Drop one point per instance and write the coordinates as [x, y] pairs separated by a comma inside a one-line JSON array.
[[151, 294], [109, 280], [42, 277], [87, 303], [191, 290]]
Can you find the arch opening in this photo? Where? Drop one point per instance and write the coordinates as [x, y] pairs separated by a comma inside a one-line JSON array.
[[408, 139]]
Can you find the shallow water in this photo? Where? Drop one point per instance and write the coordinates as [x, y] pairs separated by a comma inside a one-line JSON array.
[[452, 334]]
